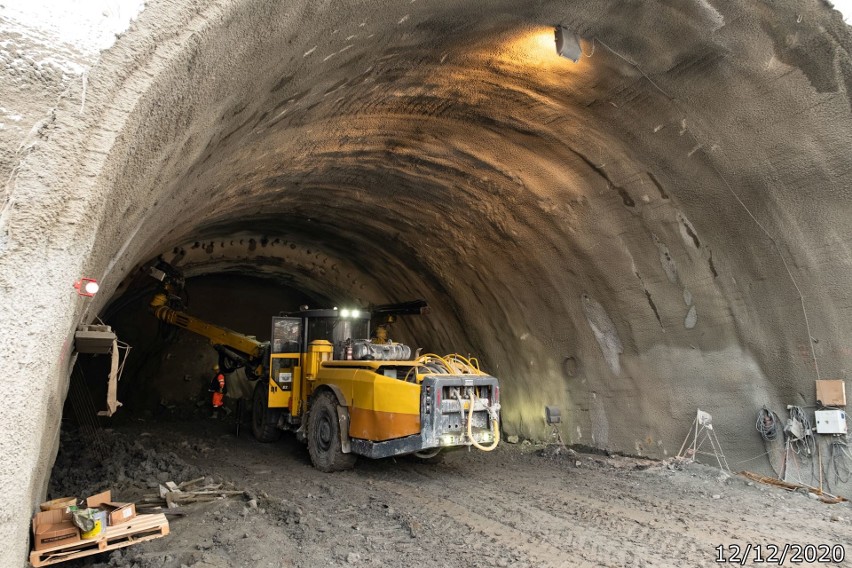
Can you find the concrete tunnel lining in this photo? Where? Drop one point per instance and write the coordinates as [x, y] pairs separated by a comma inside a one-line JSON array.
[[607, 213]]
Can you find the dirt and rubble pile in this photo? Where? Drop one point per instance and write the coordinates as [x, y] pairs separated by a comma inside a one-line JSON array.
[[129, 466]]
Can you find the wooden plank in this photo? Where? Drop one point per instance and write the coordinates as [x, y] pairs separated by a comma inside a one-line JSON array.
[[192, 482], [215, 493], [139, 529], [186, 497], [823, 496]]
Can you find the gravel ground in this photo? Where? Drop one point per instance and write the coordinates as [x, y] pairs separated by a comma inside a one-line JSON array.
[[517, 506]]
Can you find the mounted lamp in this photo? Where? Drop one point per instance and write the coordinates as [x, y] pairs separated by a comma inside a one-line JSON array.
[[568, 44]]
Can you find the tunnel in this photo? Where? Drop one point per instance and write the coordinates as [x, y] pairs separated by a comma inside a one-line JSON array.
[[661, 226]]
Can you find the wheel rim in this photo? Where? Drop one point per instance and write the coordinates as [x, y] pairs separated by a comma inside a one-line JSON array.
[[324, 432]]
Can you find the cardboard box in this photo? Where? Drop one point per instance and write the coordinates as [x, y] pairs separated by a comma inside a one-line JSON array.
[[54, 528], [95, 501], [831, 392], [61, 503], [117, 512]]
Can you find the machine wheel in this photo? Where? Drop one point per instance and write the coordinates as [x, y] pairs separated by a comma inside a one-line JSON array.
[[324, 435], [432, 456], [264, 420]]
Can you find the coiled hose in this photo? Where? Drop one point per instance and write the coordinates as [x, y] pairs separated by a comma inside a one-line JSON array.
[[767, 424]]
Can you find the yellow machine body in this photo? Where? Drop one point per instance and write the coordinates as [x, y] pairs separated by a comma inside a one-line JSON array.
[[291, 375], [380, 407]]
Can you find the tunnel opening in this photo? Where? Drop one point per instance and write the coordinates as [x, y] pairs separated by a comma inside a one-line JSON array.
[[167, 370]]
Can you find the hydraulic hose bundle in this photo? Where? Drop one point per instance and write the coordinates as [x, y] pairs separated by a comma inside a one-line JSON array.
[[455, 364]]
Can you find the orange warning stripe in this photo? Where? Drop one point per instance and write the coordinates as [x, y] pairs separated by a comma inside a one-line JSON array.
[[377, 426]]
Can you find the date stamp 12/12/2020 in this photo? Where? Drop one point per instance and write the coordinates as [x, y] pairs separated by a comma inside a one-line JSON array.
[[780, 554]]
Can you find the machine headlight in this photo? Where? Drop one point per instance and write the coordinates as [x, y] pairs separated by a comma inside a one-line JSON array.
[[344, 313]]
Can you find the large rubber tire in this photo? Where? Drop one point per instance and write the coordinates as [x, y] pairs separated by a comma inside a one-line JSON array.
[[324, 435], [264, 421], [429, 456]]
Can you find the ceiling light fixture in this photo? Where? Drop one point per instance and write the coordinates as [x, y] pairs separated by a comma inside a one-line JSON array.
[[568, 44]]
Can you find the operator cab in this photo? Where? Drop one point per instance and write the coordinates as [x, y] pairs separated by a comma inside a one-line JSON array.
[[348, 331]]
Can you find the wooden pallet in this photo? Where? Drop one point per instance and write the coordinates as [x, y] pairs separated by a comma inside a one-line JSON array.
[[138, 529]]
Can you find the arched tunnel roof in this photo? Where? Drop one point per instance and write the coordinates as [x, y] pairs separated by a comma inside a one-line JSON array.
[[660, 226]]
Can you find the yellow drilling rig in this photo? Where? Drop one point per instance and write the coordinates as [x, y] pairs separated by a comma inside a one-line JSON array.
[[346, 395]]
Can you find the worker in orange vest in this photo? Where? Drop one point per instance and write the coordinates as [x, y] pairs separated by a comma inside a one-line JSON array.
[[218, 388]]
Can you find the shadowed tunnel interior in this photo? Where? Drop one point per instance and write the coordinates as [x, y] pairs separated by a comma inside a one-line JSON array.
[[629, 237]]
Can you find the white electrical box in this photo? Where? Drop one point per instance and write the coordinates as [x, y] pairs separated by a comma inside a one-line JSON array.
[[830, 421]]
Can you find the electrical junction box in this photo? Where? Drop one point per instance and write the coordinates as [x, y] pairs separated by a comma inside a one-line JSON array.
[[94, 339], [794, 429], [831, 392], [552, 415], [830, 421]]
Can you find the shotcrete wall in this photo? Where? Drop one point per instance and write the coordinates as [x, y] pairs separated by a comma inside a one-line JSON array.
[[629, 237]]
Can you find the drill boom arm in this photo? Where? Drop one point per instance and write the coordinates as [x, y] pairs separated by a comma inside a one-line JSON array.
[[243, 345]]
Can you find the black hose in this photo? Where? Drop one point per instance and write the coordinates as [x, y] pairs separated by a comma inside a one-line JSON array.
[[227, 362], [767, 424]]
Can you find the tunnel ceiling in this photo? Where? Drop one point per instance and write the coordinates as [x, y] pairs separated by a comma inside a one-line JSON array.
[[380, 139]]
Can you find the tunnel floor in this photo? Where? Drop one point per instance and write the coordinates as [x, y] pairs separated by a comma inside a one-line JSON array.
[[517, 506]]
